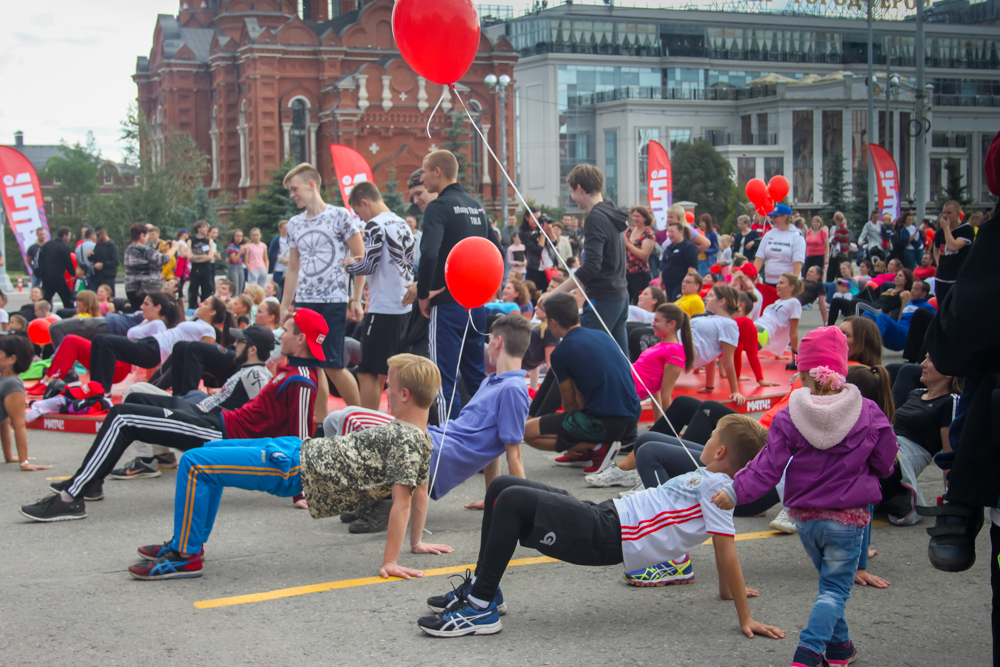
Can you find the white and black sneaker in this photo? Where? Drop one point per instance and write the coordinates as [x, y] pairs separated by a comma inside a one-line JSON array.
[[54, 508], [138, 468], [91, 493], [462, 619]]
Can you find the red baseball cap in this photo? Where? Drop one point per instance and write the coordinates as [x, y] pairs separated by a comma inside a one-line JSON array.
[[992, 168], [315, 329], [87, 390], [748, 269]]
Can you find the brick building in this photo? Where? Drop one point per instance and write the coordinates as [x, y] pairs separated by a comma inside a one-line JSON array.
[[256, 81]]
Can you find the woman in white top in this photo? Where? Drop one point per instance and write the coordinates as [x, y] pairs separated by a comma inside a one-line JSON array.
[[649, 300], [782, 250], [778, 325], [716, 335], [743, 283], [211, 324]]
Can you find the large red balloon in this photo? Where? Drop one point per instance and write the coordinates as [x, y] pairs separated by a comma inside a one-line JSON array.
[[38, 332], [756, 191], [765, 206], [689, 216], [777, 187], [473, 271], [437, 38]]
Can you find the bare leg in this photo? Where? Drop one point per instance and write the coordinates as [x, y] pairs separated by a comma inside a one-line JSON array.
[[533, 376], [322, 398], [346, 386], [535, 439], [823, 312], [370, 390]]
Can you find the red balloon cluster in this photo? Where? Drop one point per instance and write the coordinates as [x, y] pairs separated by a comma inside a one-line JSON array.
[[765, 196], [438, 39], [473, 271]]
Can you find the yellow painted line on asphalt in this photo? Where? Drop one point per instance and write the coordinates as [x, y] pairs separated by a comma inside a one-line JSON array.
[[57, 479], [368, 581]]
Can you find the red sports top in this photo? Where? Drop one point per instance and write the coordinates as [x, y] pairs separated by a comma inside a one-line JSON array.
[[283, 407]]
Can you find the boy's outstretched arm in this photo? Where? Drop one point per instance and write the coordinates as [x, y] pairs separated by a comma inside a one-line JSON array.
[[731, 578], [418, 519]]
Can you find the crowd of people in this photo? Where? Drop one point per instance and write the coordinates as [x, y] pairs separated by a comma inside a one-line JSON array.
[[613, 308]]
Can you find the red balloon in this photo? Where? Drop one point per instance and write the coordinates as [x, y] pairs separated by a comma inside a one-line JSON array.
[[933, 302], [689, 216], [438, 39], [765, 206], [756, 191], [473, 271], [38, 332], [778, 188], [51, 319]]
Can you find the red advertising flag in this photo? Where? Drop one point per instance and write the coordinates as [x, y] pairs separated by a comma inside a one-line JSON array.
[[351, 167], [22, 199], [887, 176], [661, 183]]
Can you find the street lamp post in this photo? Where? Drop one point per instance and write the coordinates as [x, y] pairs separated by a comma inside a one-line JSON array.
[[871, 109], [500, 85]]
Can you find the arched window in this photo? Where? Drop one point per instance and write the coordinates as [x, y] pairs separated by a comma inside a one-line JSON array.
[[297, 136], [108, 174]]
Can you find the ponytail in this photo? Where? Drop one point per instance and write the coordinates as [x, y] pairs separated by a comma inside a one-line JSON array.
[[672, 313], [222, 320], [874, 384]]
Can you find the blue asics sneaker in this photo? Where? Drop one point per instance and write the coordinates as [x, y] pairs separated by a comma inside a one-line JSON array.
[[170, 565], [462, 619], [438, 603], [667, 573]]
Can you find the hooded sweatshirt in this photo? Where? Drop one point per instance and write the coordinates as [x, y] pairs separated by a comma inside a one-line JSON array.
[[840, 446], [603, 270]]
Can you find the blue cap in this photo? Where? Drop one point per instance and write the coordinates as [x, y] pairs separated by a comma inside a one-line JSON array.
[[781, 209], [182, 231]]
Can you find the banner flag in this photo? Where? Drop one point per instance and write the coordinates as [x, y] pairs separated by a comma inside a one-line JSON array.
[[351, 167], [661, 183], [22, 199], [887, 176]]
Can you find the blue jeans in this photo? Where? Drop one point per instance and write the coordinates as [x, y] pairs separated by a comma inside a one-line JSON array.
[[614, 314], [835, 550], [893, 333]]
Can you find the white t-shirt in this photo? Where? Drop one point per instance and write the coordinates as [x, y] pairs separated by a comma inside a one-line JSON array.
[[757, 306], [779, 250], [388, 263], [709, 332], [637, 314], [322, 244], [146, 329], [775, 321], [192, 331], [675, 518], [4, 316]]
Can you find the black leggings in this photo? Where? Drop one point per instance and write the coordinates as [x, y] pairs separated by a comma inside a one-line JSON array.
[[636, 282], [548, 399], [837, 307], [905, 378], [192, 359], [203, 280], [700, 418], [105, 350], [659, 457], [813, 260]]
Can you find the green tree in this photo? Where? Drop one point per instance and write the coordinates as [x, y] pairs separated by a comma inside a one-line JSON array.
[[75, 170], [392, 198], [268, 206], [955, 188], [835, 186], [703, 176], [456, 144], [202, 207], [858, 214]]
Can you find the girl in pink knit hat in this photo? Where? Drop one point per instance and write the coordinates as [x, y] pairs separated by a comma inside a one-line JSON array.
[[839, 444]]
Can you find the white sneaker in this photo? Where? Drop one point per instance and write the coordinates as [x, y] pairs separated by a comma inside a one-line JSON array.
[[613, 476], [783, 524], [635, 489]]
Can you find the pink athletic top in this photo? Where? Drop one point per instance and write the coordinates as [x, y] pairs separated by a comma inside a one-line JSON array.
[[650, 365], [816, 242], [254, 255]]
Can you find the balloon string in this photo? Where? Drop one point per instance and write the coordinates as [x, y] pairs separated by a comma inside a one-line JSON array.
[[553, 251], [444, 91], [447, 417]]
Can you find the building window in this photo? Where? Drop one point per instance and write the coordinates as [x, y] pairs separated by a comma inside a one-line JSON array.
[[746, 170], [244, 147], [109, 175], [679, 137], [802, 155], [859, 140], [611, 164], [773, 166], [762, 124], [297, 136], [746, 132], [645, 136], [936, 177]]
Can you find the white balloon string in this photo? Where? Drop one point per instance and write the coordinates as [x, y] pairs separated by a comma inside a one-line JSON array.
[[562, 261], [447, 418], [444, 91]]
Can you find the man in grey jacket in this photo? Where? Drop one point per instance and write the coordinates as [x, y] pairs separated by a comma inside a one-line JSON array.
[[603, 271]]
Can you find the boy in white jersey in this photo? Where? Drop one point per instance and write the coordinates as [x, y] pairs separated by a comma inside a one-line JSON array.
[[643, 530]]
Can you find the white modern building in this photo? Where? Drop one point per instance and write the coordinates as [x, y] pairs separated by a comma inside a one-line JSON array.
[[776, 94]]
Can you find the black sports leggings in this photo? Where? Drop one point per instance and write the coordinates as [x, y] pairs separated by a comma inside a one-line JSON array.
[[548, 399], [700, 418], [659, 457]]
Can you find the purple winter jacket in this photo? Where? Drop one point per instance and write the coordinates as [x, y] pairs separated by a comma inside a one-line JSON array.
[[840, 447]]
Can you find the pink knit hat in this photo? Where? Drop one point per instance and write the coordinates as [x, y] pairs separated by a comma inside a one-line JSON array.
[[823, 354]]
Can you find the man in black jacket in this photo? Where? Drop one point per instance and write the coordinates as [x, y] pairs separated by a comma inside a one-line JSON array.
[[105, 260], [54, 260], [679, 257], [603, 272], [450, 218]]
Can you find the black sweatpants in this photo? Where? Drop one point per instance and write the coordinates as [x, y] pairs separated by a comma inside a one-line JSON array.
[[191, 360], [203, 280], [635, 283], [700, 418], [52, 286], [548, 398], [659, 457], [106, 349], [545, 518], [157, 420]]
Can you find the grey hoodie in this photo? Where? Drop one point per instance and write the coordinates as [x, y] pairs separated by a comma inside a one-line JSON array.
[[603, 271]]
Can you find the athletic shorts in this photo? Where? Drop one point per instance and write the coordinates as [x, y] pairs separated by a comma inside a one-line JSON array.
[[576, 427], [379, 341], [576, 531], [335, 315]]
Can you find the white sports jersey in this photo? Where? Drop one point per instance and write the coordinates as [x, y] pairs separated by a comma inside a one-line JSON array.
[[668, 521]]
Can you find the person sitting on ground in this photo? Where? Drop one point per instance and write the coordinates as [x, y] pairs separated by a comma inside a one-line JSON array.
[[540, 347], [271, 291], [241, 306], [16, 355], [707, 283], [517, 292], [543, 517], [598, 393], [813, 290], [18, 325], [655, 372], [224, 290], [337, 474], [894, 332], [283, 408], [87, 304], [43, 309], [717, 335], [158, 312], [778, 325], [887, 298], [649, 300], [27, 311], [689, 301]]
